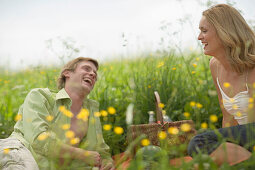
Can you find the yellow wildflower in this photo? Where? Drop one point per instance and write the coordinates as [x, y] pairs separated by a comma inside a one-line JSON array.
[[232, 100], [69, 134], [162, 135], [97, 114], [149, 86], [118, 130], [186, 114], [43, 136], [6, 151], [254, 147], [199, 105], [194, 65], [226, 84], [107, 127], [111, 110], [197, 58], [174, 68], [193, 72], [145, 142], [185, 127], [62, 108], [18, 117], [49, 118], [173, 130], [42, 72], [65, 126], [235, 106], [74, 141], [103, 113], [204, 125], [238, 114], [160, 64], [250, 106], [161, 105], [213, 118], [83, 115], [251, 100], [192, 103]]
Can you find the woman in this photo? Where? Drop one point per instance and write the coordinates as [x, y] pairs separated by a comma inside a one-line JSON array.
[[227, 37]]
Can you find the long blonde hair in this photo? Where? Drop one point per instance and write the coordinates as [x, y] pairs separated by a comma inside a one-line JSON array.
[[71, 66], [235, 34]]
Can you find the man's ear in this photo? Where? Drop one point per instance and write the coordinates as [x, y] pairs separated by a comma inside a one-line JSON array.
[[66, 73]]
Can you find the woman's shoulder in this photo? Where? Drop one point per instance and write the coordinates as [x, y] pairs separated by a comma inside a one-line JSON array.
[[213, 66]]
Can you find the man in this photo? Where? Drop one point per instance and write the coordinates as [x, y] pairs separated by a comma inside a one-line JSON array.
[[61, 130]]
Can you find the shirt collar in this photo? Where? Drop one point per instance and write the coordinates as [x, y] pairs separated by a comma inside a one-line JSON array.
[[62, 94]]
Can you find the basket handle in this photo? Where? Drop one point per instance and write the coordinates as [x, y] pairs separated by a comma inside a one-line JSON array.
[[158, 109]]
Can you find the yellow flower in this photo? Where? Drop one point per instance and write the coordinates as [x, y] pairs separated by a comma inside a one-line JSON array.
[[197, 58], [103, 113], [193, 72], [251, 100], [65, 126], [186, 114], [18, 117], [145, 142], [161, 105], [97, 114], [43, 136], [226, 84], [194, 65], [238, 114], [42, 72], [199, 105], [6, 151], [111, 110], [74, 141], [173, 68], [69, 134], [185, 127], [235, 106], [107, 127], [49, 118], [83, 115], [173, 130], [118, 130], [250, 106], [232, 100], [254, 147], [162, 135], [213, 118], [204, 125], [192, 103], [160, 64], [149, 86], [62, 108]]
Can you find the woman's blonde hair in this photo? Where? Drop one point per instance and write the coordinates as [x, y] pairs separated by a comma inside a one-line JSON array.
[[71, 66], [235, 34]]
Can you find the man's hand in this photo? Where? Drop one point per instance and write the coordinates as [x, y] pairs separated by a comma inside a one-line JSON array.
[[92, 158]]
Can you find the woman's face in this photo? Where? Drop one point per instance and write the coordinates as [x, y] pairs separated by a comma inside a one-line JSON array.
[[209, 38]]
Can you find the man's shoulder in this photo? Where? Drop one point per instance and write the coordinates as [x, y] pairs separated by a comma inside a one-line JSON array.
[[45, 92]]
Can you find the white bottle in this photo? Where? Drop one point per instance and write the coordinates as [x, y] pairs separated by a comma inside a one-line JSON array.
[[151, 117]]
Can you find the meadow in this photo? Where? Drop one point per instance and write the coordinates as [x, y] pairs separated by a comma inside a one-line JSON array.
[[182, 80]]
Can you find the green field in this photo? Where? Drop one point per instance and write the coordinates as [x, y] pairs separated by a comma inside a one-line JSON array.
[[183, 81]]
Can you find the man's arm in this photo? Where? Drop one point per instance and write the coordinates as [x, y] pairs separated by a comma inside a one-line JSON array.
[[37, 131]]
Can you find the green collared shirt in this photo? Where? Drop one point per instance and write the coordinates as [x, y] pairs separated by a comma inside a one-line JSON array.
[[42, 104]]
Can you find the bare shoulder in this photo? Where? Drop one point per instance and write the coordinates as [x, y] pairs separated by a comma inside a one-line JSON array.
[[213, 66]]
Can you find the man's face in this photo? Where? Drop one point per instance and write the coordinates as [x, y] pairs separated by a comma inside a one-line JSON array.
[[84, 76]]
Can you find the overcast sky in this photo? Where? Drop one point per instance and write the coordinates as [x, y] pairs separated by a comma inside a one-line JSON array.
[[97, 27]]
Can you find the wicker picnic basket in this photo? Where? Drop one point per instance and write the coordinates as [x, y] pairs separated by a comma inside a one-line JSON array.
[[152, 130]]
